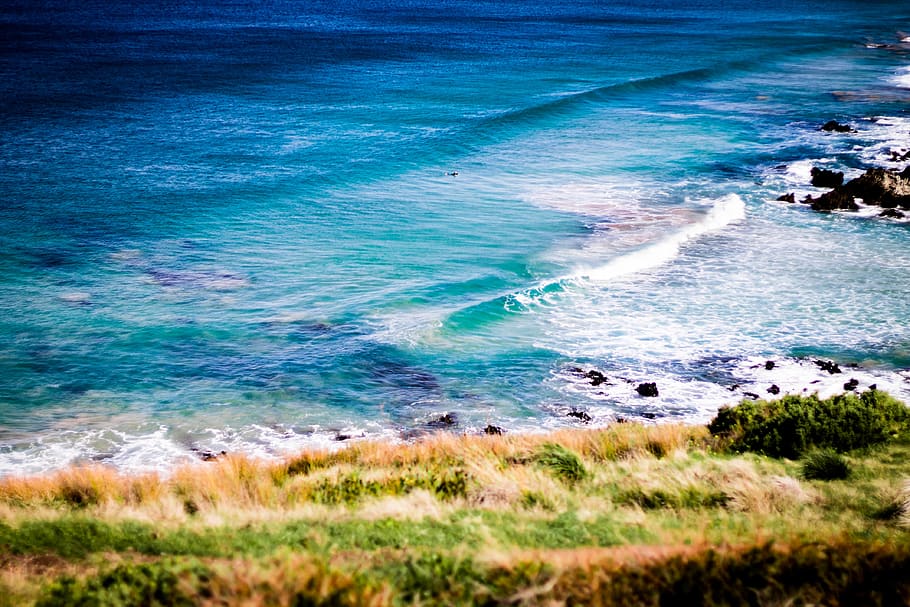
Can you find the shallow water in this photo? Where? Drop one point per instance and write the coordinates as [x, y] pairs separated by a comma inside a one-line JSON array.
[[234, 226]]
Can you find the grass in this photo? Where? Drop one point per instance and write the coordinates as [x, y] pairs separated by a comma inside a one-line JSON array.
[[825, 465], [629, 514]]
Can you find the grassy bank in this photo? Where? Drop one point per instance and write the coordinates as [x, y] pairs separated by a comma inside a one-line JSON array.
[[794, 501]]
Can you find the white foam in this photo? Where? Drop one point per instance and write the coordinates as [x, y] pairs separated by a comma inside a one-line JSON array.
[[158, 451], [697, 401], [885, 134], [724, 211], [803, 376], [901, 79]]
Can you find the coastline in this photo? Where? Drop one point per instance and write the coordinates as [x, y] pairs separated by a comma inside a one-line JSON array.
[[490, 519]]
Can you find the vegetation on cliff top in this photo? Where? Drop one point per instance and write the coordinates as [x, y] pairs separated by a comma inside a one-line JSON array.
[[628, 514]]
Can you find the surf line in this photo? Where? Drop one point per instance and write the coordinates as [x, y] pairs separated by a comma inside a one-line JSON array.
[[725, 211]]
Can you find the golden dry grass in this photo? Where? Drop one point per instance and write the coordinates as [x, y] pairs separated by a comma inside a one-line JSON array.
[[236, 483]]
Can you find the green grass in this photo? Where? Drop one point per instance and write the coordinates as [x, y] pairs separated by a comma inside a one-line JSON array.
[[853, 574], [648, 515], [561, 462], [825, 465]]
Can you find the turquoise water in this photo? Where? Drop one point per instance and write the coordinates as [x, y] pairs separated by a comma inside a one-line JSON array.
[[235, 226]]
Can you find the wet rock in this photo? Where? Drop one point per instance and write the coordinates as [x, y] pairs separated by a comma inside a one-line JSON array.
[[579, 414], [873, 387], [493, 430], [206, 455], [835, 200], [823, 178], [892, 213], [444, 421], [899, 157], [648, 389], [852, 384], [621, 420], [751, 395], [342, 437], [596, 377], [774, 389], [887, 189], [827, 365], [649, 415], [733, 388], [833, 126], [790, 197], [769, 364]]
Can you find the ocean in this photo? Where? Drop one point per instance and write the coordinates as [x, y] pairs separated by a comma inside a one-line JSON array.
[[263, 226]]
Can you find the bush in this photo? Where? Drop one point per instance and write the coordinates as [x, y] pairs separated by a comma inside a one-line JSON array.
[[825, 465], [144, 584], [794, 424], [563, 463], [449, 483]]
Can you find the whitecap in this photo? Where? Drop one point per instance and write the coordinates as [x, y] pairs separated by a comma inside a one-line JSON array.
[[901, 78]]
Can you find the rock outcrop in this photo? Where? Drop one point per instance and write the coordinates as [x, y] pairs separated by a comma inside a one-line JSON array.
[[833, 126], [647, 389], [835, 200], [823, 178], [887, 189]]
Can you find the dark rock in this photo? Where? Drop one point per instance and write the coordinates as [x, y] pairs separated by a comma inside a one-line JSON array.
[[833, 126], [751, 395], [774, 389], [873, 387], [449, 419], [493, 430], [827, 365], [621, 420], [206, 455], [791, 197], [649, 415], [647, 389], [342, 437], [823, 178], [579, 414], [835, 200], [851, 385], [769, 364], [733, 388], [892, 213], [576, 370], [596, 377], [898, 157], [887, 189]]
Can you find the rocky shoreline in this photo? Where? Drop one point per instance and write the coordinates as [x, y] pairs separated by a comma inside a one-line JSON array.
[[886, 188]]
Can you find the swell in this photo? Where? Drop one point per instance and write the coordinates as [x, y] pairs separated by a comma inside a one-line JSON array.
[[724, 211]]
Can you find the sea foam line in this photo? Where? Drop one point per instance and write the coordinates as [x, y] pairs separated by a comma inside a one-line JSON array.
[[902, 78], [726, 210]]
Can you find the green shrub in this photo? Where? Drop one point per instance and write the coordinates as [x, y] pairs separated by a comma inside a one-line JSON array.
[[689, 498], [795, 424], [565, 464], [813, 574], [535, 499], [449, 483], [154, 585], [435, 578], [825, 465]]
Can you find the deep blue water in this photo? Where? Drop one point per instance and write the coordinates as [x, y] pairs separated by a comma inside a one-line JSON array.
[[233, 225]]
